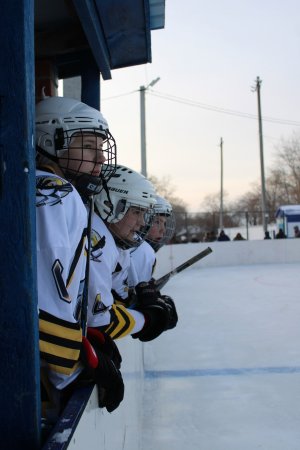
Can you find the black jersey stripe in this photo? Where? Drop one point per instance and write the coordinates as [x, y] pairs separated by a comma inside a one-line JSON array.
[[77, 255], [114, 321], [62, 342], [43, 315], [126, 323], [58, 360]]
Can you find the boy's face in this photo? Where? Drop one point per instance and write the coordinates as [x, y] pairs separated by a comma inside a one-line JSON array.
[[158, 228], [85, 154], [131, 223]]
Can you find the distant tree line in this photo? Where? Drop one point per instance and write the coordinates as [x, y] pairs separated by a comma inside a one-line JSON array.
[[282, 188]]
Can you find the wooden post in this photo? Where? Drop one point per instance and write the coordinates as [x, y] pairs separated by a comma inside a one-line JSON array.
[[19, 374]]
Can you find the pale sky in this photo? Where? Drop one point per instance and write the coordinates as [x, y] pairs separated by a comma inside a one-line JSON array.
[[210, 53]]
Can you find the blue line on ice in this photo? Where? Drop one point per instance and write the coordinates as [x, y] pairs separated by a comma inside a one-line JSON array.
[[220, 372]]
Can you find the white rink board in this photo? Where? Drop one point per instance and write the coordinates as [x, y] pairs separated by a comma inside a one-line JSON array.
[[99, 430], [231, 253]]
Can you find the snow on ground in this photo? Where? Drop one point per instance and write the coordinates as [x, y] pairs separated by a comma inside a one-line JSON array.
[[228, 376], [253, 232]]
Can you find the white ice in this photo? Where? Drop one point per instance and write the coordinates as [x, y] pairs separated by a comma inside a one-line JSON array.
[[228, 376]]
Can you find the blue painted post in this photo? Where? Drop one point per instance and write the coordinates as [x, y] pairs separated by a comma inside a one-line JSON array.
[[90, 83], [19, 358]]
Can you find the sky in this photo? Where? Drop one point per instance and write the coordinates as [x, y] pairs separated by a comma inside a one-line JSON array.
[[208, 57]]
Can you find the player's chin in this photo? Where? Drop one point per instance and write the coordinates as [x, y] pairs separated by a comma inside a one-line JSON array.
[[132, 236], [96, 173]]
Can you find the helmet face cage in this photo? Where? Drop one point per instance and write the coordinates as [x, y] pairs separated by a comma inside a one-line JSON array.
[[70, 152], [131, 239], [128, 193], [169, 230], [68, 132], [163, 222]]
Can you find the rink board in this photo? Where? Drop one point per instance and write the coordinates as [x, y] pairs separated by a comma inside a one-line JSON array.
[[94, 428]]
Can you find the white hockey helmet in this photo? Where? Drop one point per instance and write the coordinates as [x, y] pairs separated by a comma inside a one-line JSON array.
[[59, 118], [162, 206], [126, 188], [164, 209]]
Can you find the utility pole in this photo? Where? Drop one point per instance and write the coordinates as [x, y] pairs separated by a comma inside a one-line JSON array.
[[221, 190], [143, 131], [143, 125], [262, 167]]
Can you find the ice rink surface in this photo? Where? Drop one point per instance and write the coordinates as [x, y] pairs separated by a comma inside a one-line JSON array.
[[228, 376]]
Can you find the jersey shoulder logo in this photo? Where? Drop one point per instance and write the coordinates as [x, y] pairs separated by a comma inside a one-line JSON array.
[[50, 190], [118, 268], [97, 244], [99, 307]]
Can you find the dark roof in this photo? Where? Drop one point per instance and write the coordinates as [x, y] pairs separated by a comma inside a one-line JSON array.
[[115, 33]]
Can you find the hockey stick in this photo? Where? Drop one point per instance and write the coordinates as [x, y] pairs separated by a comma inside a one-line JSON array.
[[90, 354], [84, 304], [87, 186], [165, 278]]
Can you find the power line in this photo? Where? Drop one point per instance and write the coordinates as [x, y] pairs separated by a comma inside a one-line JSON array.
[[208, 107], [221, 110], [117, 96], [202, 105]]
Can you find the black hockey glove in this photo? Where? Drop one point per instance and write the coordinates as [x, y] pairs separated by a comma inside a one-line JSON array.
[[146, 293], [108, 346], [160, 316], [173, 317], [102, 368]]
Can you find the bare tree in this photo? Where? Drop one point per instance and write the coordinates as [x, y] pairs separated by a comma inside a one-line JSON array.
[[166, 189], [282, 187], [211, 204], [282, 183], [288, 164]]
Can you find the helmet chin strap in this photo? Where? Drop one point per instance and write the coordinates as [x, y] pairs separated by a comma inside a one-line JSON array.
[[40, 150], [155, 245], [86, 184], [110, 205], [122, 243]]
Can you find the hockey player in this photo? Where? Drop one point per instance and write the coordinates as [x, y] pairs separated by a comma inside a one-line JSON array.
[[143, 258], [73, 142], [122, 218]]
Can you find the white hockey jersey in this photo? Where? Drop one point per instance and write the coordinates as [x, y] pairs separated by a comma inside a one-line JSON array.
[[61, 226], [142, 264], [107, 268], [120, 275]]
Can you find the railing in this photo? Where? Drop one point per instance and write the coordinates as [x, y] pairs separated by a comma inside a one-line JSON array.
[[204, 226], [61, 434]]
